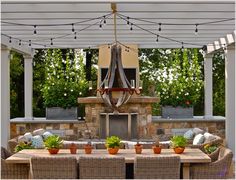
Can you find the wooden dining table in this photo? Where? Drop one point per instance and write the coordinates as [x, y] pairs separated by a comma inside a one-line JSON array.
[[188, 157]]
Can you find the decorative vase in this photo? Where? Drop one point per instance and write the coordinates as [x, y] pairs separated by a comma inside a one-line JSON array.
[[53, 151], [138, 148], [156, 149], [179, 150], [113, 150], [88, 149], [176, 112], [73, 148]]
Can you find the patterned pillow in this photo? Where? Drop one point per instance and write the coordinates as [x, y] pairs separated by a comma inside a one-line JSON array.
[[208, 137], [28, 136], [46, 134], [198, 139], [37, 141], [198, 131], [189, 134], [38, 132]]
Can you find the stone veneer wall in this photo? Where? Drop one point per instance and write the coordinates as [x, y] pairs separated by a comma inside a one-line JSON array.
[[148, 126]]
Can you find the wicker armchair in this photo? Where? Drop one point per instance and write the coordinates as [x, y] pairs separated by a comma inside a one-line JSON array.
[[53, 167], [12, 171], [102, 168], [217, 141], [157, 167], [215, 170]]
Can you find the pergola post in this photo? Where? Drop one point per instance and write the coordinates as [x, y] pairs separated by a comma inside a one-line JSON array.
[[230, 96], [28, 86], [5, 95], [208, 86]]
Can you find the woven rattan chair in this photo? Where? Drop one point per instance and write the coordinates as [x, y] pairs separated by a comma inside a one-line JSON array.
[[102, 168], [215, 170], [53, 167], [12, 171], [157, 167]]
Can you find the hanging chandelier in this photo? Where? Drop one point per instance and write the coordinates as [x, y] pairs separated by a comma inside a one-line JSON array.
[[116, 72]]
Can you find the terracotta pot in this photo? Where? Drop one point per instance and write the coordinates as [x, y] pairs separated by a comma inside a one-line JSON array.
[[179, 150], [53, 151], [138, 148], [73, 148], [156, 149], [113, 150], [88, 149]]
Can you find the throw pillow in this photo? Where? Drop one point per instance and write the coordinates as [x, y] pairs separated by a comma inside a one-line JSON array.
[[198, 131], [28, 136], [208, 137], [38, 132], [37, 141], [189, 134], [22, 139], [46, 134], [198, 139]]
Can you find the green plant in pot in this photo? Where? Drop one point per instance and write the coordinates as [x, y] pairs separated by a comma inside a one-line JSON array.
[[178, 143], [53, 144], [88, 147], [113, 144], [156, 146]]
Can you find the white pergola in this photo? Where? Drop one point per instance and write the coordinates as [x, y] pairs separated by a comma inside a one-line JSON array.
[[180, 15]]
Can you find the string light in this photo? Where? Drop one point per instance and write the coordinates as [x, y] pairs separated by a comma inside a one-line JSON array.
[[73, 29], [159, 29], [29, 42], [182, 48], [100, 26], [19, 42], [51, 42], [157, 38], [75, 37], [35, 31], [128, 20], [196, 29], [131, 27], [9, 39], [104, 21]]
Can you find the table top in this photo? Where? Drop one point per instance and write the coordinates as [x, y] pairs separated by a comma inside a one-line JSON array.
[[189, 155]]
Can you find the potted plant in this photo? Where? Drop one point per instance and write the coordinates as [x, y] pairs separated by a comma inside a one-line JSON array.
[[113, 144], [88, 147], [53, 144], [138, 147], [73, 148], [64, 83], [156, 146], [178, 143]]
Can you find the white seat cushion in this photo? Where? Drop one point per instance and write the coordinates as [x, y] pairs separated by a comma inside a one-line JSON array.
[[208, 137]]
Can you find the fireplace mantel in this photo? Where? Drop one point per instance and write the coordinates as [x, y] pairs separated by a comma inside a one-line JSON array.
[[98, 100]]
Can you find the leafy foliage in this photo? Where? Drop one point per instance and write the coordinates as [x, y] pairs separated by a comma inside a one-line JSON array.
[[178, 141], [113, 141], [175, 74], [23, 145], [65, 78], [53, 142]]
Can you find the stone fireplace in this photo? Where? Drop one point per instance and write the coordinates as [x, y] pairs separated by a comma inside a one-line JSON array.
[[134, 117]]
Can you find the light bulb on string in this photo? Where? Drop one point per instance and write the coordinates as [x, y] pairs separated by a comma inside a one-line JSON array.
[[29, 42], [35, 31], [128, 20], [157, 38], [9, 39], [75, 37], [131, 27], [104, 21], [19, 42], [196, 29], [51, 42], [100, 25], [182, 48], [159, 29], [72, 28]]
